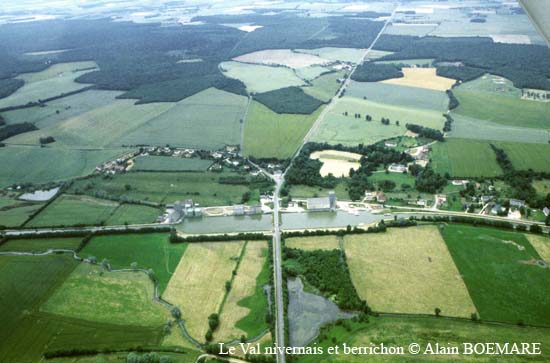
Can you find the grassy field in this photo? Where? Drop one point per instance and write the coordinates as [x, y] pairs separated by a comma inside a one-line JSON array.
[[260, 78], [542, 186], [313, 243], [311, 73], [527, 156], [541, 244], [133, 214], [209, 119], [399, 332], [100, 127], [43, 165], [399, 95], [490, 83], [51, 82], [407, 270], [305, 191], [149, 251], [422, 78], [268, 134], [198, 284], [495, 267], [62, 109], [40, 244], [14, 212], [337, 128], [325, 87], [464, 158], [502, 109], [165, 187], [91, 293], [245, 287], [352, 55], [399, 179], [284, 57], [471, 128], [70, 210], [164, 163]]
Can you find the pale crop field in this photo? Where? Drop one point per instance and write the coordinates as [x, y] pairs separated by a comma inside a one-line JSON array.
[[282, 57], [337, 163], [198, 285], [407, 270], [326, 243], [348, 130], [91, 293], [208, 120], [260, 78], [541, 244], [244, 285], [422, 78], [352, 55], [51, 82]]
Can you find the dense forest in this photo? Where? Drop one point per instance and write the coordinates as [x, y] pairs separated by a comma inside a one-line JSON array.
[[374, 72], [527, 66], [15, 129], [426, 132], [289, 100], [8, 86]]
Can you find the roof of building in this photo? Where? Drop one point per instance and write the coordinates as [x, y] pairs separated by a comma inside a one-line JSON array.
[[318, 203]]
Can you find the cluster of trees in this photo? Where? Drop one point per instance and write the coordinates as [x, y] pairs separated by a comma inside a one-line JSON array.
[[151, 357], [425, 132], [526, 65], [174, 238], [385, 121], [535, 95], [46, 140], [15, 129], [306, 171], [328, 272], [453, 101], [375, 72], [428, 181], [289, 100], [481, 222], [213, 324], [448, 122]]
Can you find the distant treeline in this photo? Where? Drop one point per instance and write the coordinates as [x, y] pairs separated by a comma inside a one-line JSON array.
[[8, 86], [526, 65], [425, 132], [15, 129]]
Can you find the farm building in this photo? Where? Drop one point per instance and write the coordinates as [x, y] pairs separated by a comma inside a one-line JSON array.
[[397, 168], [238, 210], [516, 203], [546, 211]]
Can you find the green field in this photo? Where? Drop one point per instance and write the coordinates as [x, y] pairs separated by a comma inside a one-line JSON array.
[[71, 210], [399, 179], [396, 95], [464, 158], [103, 126], [306, 191], [51, 82], [311, 72], [495, 266], [489, 83], [337, 128], [150, 251], [40, 244], [164, 163], [527, 156], [268, 134], [43, 165], [399, 332], [62, 109], [133, 214], [260, 78], [15, 212], [325, 87], [167, 187], [91, 293], [502, 109], [471, 128], [209, 119], [25, 333]]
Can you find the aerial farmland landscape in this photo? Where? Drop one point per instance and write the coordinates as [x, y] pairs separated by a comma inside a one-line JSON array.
[[193, 181]]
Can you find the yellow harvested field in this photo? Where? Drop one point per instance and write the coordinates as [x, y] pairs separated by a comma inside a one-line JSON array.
[[313, 243], [337, 163], [407, 270], [198, 285], [541, 244], [244, 285], [422, 78], [283, 57]]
